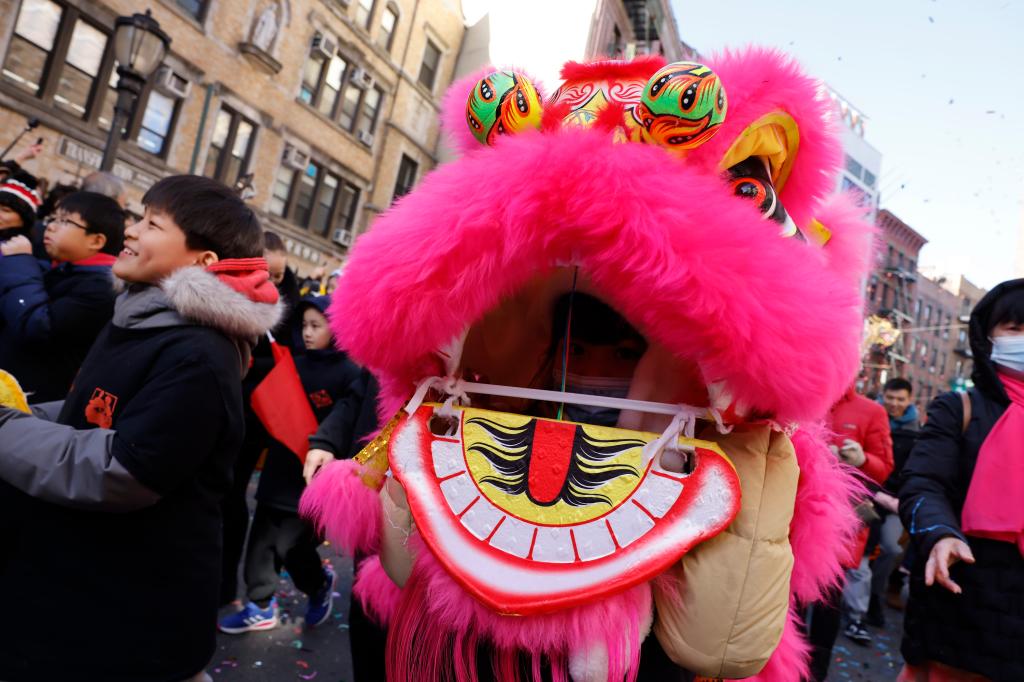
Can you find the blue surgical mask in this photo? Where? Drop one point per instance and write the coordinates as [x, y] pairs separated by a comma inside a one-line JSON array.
[[1008, 352], [603, 386]]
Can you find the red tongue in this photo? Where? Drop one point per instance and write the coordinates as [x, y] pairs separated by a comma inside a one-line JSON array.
[[549, 459]]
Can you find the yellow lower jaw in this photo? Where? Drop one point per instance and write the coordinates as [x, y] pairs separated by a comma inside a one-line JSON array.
[[11, 394]]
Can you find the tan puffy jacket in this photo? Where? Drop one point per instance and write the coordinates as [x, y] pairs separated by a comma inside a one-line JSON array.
[[733, 594]]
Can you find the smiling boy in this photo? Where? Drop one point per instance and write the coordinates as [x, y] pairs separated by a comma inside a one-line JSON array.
[[50, 318], [112, 519]]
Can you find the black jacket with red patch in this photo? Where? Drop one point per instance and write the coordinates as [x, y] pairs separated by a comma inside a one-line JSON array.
[[110, 516], [326, 376]]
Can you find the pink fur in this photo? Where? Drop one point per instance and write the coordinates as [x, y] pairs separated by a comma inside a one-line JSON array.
[[436, 617], [783, 338], [342, 507], [824, 525], [377, 594]]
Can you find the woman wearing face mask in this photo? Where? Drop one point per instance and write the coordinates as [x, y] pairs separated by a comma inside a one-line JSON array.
[[962, 501]]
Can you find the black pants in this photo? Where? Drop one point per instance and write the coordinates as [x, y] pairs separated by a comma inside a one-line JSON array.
[[280, 539], [822, 632], [235, 509]]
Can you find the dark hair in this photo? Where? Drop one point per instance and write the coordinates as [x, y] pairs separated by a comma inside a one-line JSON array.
[[1007, 308], [593, 321], [102, 215], [210, 213], [272, 242], [898, 384], [53, 197]]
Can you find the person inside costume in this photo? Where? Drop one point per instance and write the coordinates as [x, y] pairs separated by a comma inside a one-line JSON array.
[[110, 499], [960, 502], [605, 338]]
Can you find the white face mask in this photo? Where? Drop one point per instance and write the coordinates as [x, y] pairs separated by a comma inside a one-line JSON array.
[[1008, 352], [605, 386]]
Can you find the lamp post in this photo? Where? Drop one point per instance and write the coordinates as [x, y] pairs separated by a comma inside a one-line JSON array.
[[139, 46]]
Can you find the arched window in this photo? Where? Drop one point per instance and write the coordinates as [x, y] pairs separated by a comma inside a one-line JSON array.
[[388, 24]]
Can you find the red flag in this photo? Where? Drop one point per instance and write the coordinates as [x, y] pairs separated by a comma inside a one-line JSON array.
[[281, 404]]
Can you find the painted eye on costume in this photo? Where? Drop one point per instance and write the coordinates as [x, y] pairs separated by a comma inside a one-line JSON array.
[[751, 180]]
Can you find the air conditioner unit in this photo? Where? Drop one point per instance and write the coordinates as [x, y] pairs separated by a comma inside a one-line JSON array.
[[361, 79], [366, 137], [295, 158], [343, 237], [171, 84], [324, 47]]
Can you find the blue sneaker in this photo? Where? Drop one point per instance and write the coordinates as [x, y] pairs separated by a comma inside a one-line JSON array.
[[320, 604], [250, 618]]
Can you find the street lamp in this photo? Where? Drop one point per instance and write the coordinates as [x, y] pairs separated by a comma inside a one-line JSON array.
[[139, 46]]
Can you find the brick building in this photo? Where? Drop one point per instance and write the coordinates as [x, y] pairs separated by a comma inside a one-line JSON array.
[[331, 105], [932, 350]]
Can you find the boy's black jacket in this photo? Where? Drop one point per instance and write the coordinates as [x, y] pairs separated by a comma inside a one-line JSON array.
[[112, 547]]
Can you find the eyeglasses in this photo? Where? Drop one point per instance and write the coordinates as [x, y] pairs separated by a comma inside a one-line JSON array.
[[59, 220]]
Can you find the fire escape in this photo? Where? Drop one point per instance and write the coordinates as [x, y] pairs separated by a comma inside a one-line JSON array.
[[899, 281], [645, 16]]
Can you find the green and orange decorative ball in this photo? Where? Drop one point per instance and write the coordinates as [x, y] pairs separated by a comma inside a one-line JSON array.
[[682, 107], [502, 103]]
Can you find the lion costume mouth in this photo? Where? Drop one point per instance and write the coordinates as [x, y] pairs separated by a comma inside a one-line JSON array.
[[534, 515]]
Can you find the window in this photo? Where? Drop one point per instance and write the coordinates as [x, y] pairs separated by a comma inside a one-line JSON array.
[[316, 199], [81, 67], [327, 86], [156, 123], [869, 178], [429, 67], [854, 168], [35, 34], [58, 55], [349, 108], [948, 324], [194, 8], [311, 72], [230, 147], [371, 107], [282, 190], [332, 86], [364, 12], [407, 170], [388, 22], [938, 322], [962, 337]]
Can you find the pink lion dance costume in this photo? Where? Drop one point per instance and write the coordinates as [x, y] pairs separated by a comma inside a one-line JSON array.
[[693, 201]]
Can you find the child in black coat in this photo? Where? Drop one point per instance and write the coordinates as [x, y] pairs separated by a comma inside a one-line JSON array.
[[49, 317], [279, 538]]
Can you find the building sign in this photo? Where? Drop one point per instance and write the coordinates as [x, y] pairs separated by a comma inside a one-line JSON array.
[[86, 155]]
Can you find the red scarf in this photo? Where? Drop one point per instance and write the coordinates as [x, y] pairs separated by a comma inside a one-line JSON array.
[[993, 508], [104, 259], [247, 276]]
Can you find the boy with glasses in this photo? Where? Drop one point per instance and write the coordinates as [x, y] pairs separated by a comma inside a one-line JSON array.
[[50, 316]]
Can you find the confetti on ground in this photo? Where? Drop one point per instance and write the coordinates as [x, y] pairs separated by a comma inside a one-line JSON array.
[[309, 676]]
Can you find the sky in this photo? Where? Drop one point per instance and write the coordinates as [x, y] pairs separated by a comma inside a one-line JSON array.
[[942, 85]]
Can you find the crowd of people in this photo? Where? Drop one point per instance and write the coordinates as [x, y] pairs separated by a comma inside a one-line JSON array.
[[141, 344]]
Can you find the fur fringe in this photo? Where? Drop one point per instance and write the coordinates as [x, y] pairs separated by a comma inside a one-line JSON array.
[[343, 508], [376, 592], [199, 296], [435, 617]]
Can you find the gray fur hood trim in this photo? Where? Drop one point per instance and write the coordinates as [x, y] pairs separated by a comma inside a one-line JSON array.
[[200, 297]]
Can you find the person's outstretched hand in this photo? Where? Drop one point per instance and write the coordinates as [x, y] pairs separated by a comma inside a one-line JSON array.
[[945, 553], [315, 460]]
